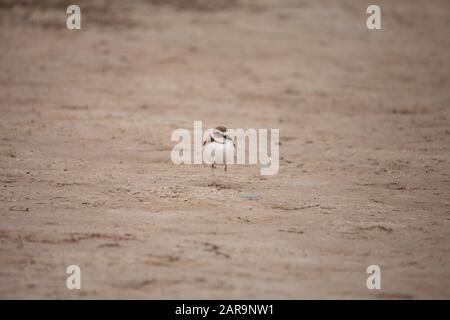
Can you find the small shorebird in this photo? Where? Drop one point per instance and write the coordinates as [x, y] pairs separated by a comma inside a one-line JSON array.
[[219, 144]]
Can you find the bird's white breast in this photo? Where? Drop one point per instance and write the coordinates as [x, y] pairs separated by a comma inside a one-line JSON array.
[[219, 153]]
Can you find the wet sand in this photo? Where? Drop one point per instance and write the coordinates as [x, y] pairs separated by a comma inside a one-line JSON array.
[[85, 170]]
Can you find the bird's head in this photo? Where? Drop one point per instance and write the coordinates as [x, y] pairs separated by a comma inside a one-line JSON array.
[[222, 131]]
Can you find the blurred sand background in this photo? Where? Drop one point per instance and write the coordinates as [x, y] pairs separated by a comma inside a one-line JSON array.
[[85, 170]]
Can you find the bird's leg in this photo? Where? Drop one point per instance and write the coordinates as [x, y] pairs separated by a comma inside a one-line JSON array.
[[225, 169], [213, 166]]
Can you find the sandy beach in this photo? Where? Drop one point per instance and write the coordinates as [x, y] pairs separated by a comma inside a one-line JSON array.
[[87, 179]]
